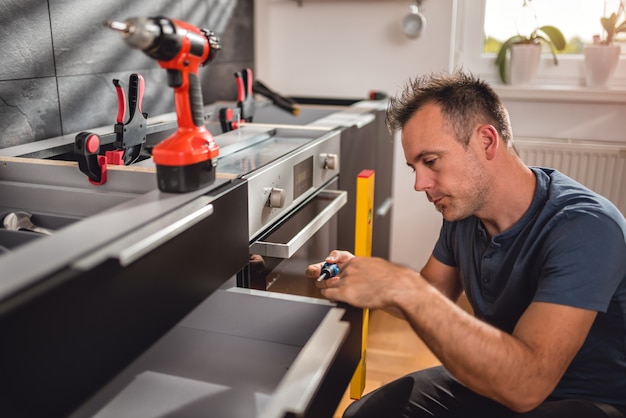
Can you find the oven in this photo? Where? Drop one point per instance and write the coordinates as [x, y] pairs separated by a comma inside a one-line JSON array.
[[279, 257], [365, 144], [293, 201]]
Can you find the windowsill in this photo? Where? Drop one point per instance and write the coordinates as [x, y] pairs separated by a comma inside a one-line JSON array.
[[569, 94]]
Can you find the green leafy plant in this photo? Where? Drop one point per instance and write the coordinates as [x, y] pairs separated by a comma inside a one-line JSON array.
[[548, 35], [612, 26]]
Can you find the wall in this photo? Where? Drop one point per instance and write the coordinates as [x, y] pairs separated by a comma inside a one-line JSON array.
[[59, 61], [345, 48]]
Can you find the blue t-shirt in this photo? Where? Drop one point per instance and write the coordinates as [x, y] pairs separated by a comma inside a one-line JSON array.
[[569, 248]]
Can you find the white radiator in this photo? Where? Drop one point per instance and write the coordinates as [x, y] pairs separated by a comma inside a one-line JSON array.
[[601, 166]]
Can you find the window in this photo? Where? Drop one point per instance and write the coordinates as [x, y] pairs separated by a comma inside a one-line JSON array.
[[579, 20]]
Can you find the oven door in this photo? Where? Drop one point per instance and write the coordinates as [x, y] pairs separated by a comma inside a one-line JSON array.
[[279, 257]]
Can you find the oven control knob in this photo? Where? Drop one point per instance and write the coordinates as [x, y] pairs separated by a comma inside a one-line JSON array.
[[331, 161], [277, 198]]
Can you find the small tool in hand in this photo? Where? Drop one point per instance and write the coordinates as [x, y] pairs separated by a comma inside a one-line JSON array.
[[328, 271]]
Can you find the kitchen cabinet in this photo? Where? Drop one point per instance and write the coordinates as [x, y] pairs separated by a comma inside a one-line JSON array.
[[131, 275], [78, 306], [84, 306], [241, 353]]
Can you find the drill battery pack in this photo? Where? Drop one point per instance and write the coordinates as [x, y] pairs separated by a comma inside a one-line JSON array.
[[186, 178]]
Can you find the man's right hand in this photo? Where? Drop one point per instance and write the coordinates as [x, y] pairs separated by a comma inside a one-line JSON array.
[[338, 257]]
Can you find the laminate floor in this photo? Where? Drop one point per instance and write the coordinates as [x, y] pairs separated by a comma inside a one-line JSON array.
[[393, 350]]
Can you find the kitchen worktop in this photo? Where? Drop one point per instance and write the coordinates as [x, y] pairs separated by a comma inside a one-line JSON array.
[[42, 189]]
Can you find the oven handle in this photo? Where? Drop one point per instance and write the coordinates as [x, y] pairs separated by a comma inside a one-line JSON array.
[[281, 250]]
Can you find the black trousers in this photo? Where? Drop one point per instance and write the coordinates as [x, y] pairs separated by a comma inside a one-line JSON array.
[[435, 393]]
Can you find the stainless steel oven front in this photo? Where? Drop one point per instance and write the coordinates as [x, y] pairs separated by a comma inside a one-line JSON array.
[[279, 257], [293, 204]]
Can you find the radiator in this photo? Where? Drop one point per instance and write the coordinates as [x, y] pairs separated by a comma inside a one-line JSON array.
[[600, 166]]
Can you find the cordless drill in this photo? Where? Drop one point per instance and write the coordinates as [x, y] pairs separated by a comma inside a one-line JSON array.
[[186, 160]]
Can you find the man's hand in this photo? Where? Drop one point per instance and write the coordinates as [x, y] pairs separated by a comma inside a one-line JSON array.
[[366, 282], [335, 257], [371, 283]]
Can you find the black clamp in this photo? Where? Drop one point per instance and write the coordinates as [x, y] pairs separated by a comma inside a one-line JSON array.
[[245, 103], [285, 103], [130, 135]]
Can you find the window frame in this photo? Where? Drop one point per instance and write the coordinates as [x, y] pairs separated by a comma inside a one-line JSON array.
[[468, 54]]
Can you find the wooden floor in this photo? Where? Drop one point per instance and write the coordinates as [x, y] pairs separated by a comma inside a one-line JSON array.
[[393, 350]]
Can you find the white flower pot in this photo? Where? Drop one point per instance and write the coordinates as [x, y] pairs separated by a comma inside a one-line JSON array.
[[600, 62], [524, 63]]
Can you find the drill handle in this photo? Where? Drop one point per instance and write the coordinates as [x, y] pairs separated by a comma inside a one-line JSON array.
[[188, 98]]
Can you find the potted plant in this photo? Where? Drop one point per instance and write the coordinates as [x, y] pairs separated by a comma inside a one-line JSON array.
[[526, 51], [612, 26], [602, 57]]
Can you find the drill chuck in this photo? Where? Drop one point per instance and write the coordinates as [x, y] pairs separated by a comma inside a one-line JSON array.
[[162, 39], [138, 32]]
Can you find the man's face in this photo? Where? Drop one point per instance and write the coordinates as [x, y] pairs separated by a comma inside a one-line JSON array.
[[453, 176]]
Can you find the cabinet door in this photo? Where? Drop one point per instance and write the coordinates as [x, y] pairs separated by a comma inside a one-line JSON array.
[[383, 191], [358, 153]]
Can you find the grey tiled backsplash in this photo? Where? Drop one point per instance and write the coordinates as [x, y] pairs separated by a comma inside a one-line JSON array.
[[59, 60]]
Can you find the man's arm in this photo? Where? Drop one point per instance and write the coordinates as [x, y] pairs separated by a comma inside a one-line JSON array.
[[443, 277], [518, 370]]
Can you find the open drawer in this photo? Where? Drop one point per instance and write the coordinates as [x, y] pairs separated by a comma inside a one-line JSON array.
[[56, 194], [79, 306], [241, 353]]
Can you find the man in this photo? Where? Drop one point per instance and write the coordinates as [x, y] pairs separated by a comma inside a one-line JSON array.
[[541, 259]]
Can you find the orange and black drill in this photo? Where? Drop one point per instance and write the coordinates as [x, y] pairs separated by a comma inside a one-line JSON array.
[[186, 160]]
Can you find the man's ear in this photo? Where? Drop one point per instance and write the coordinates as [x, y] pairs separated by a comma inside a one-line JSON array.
[[489, 139]]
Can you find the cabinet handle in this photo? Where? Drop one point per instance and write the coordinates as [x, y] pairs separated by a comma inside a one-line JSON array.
[[140, 242], [384, 208]]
